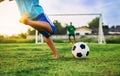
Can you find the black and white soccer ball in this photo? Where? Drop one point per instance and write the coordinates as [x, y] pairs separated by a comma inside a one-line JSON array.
[[80, 50]]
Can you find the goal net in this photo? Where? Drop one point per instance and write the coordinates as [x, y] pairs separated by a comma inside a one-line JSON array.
[[78, 20]]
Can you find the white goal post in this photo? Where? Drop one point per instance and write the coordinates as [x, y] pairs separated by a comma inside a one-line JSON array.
[[101, 39]]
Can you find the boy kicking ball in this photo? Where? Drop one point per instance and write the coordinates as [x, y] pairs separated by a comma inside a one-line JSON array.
[[33, 15]]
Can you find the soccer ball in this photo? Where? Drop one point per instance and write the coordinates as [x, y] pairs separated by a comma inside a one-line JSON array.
[[80, 50]]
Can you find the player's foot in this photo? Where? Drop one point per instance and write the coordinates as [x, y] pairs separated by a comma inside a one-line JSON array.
[[73, 42], [24, 19], [57, 56]]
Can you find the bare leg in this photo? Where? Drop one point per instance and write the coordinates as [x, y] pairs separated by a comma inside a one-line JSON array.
[[39, 25], [51, 45], [1, 0], [42, 26], [69, 39], [74, 38]]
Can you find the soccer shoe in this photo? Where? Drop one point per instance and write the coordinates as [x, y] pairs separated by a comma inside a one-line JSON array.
[[24, 18], [72, 42]]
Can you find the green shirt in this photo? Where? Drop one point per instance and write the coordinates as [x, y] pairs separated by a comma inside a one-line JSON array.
[[71, 29]]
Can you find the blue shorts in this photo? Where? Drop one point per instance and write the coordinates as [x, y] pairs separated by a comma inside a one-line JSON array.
[[44, 18]]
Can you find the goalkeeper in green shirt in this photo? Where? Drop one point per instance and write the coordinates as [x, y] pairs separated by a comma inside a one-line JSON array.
[[71, 31]]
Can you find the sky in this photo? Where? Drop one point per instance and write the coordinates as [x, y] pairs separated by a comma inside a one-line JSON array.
[[9, 13]]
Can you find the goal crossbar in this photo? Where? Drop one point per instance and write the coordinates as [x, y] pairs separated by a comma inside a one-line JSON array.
[[74, 14]]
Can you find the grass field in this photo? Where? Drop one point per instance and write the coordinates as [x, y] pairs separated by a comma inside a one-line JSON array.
[[37, 60]]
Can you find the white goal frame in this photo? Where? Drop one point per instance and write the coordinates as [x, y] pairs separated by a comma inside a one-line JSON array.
[[101, 39]]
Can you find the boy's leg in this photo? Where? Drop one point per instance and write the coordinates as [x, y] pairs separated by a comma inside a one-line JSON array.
[[39, 25], [52, 46], [1, 0]]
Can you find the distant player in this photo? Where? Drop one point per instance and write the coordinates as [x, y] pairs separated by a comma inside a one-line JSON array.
[[71, 31], [33, 15]]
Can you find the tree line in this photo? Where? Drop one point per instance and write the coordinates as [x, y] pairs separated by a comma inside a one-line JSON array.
[[94, 24]]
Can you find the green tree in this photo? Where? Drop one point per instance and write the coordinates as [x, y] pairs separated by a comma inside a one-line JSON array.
[[31, 31], [60, 30], [112, 27], [94, 23], [22, 35], [1, 37], [105, 29]]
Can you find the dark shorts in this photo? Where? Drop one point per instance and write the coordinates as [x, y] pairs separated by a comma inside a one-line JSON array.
[[71, 34], [44, 18]]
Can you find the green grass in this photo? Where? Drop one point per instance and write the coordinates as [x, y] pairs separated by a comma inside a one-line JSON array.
[[37, 60]]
